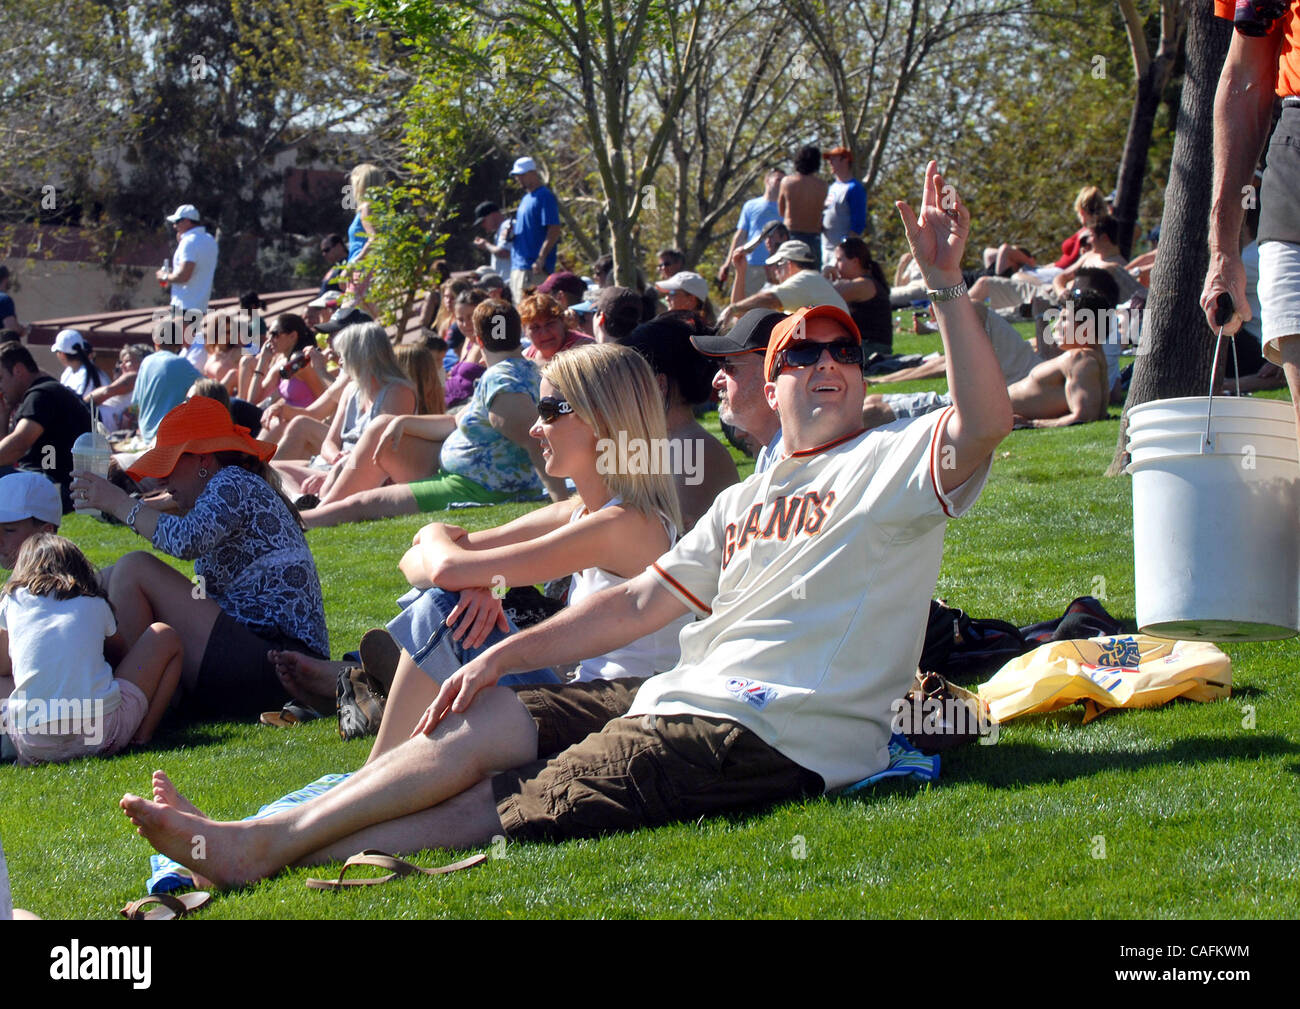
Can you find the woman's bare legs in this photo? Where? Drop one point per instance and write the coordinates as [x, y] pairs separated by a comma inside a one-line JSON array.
[[144, 590], [293, 474], [153, 664], [413, 690], [413, 459], [380, 503], [302, 438]]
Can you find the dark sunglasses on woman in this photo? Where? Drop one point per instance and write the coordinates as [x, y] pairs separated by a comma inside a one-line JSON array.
[[552, 408]]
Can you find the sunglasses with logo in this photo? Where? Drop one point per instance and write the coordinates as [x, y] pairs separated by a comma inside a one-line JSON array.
[[552, 408], [805, 355]]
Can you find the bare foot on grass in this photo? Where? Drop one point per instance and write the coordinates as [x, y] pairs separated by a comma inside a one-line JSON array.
[[312, 681], [227, 854]]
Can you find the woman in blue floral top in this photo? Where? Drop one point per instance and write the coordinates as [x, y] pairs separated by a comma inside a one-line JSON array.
[[255, 586]]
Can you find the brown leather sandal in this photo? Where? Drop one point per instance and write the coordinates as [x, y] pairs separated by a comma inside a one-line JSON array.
[[170, 905], [398, 867]]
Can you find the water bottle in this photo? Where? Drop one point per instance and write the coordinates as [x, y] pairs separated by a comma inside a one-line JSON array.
[[167, 269], [91, 452]]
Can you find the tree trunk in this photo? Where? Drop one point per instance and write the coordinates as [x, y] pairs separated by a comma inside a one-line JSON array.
[[1176, 342], [1133, 164]]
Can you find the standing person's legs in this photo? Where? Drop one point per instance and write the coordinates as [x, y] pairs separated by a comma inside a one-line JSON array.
[[1279, 299], [1289, 348]]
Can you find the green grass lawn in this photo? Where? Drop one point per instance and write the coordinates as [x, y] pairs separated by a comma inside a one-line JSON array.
[[1197, 813]]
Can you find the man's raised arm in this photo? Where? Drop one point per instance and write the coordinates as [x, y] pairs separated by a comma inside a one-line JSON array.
[[981, 416]]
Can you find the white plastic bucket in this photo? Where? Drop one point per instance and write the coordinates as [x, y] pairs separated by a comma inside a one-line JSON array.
[[1216, 548]]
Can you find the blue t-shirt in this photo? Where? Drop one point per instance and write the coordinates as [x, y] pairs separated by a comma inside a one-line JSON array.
[[478, 451], [845, 212], [753, 216], [7, 307], [537, 211], [357, 237], [161, 384]]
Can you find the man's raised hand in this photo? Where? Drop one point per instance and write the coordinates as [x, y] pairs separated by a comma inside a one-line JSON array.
[[938, 235]]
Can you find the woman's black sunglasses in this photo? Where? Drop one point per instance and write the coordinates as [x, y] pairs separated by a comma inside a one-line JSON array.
[[552, 408]]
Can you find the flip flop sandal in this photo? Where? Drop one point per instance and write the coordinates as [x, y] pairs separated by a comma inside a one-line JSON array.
[[170, 906], [291, 714], [397, 867]]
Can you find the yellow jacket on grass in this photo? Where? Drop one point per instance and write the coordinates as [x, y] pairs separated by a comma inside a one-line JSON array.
[[1122, 671]]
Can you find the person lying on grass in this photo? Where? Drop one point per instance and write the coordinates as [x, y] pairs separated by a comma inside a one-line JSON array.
[[1069, 387], [620, 520], [810, 583]]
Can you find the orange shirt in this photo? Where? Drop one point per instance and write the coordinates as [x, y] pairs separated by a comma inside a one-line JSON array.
[[1288, 57]]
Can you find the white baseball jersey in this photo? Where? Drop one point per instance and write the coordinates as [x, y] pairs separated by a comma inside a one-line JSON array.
[[813, 582]]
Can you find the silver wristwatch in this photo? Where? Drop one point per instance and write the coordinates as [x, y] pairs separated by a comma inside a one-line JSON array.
[[947, 293]]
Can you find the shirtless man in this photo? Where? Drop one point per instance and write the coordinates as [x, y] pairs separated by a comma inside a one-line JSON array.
[[802, 197], [1071, 388]]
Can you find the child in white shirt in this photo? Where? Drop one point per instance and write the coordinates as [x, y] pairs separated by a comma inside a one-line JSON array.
[[59, 697]]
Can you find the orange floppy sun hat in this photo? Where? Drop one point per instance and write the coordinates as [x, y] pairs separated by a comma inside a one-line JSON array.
[[197, 426]]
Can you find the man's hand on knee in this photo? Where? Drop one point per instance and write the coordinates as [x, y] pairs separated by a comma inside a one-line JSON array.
[[459, 690]]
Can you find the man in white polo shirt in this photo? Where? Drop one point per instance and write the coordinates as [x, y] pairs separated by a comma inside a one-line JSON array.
[[190, 276], [810, 582], [799, 285]]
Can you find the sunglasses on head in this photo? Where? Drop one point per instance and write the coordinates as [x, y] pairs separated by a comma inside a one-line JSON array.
[[807, 354], [552, 408]]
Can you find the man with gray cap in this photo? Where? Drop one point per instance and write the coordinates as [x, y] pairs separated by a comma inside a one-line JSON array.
[[799, 285], [29, 504], [537, 230], [488, 216]]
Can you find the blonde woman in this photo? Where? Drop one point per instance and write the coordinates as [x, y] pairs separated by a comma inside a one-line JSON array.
[[483, 455], [424, 368], [377, 386], [596, 401], [361, 233]]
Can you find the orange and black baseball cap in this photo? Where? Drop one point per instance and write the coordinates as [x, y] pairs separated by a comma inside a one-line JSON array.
[[791, 329]]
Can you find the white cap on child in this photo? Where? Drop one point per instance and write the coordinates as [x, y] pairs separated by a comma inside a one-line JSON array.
[[29, 496]]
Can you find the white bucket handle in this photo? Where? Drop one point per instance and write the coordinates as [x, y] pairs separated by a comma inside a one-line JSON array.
[[1207, 444]]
